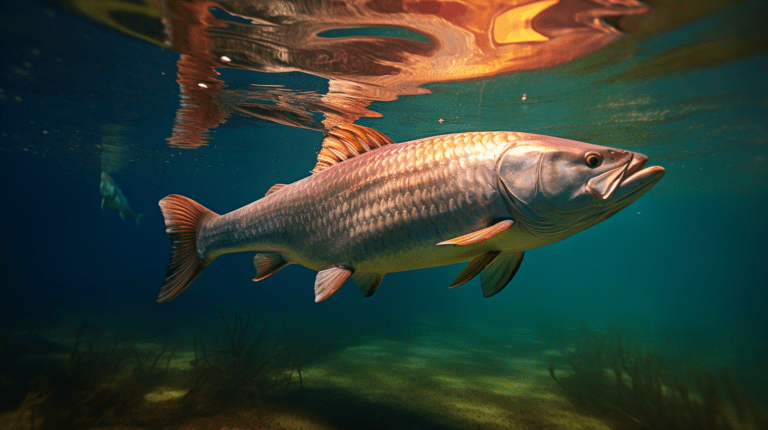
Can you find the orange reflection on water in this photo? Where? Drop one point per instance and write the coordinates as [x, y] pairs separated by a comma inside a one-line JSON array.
[[368, 50], [186, 27]]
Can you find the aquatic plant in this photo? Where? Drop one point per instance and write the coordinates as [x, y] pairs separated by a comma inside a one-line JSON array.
[[105, 385], [249, 363], [613, 377], [92, 390]]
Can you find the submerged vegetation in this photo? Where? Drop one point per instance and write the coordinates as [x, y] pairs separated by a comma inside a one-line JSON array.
[[100, 384], [612, 376], [105, 385], [247, 364], [226, 377]]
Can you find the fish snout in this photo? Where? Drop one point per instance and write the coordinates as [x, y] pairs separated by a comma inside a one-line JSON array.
[[628, 177], [637, 177], [636, 163]]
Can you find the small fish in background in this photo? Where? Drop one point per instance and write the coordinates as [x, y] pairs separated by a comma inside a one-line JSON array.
[[372, 207], [112, 196]]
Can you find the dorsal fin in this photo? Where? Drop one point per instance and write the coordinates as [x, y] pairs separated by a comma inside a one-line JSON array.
[[345, 141], [275, 188]]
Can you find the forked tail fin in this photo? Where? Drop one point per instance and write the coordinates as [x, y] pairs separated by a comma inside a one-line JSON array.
[[183, 217]]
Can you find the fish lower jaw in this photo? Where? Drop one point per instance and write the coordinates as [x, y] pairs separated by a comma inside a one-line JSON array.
[[622, 202], [650, 174]]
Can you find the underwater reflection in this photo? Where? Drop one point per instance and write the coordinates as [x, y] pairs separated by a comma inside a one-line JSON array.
[[368, 50]]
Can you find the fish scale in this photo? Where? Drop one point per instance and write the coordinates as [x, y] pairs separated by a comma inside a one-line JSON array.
[[444, 181], [373, 207]]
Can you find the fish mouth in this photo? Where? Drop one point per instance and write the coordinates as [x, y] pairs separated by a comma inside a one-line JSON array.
[[627, 179], [638, 177], [632, 182]]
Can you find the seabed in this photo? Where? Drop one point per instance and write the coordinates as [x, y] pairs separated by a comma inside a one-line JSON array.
[[440, 379], [430, 382]]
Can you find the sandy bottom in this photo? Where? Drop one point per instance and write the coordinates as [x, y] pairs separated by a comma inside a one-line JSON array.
[[435, 381], [431, 384]]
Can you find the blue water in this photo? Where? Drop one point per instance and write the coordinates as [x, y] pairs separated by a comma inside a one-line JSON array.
[[684, 266]]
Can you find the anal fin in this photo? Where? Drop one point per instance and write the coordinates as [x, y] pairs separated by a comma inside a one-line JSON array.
[[267, 264], [368, 282], [329, 280], [501, 270], [480, 235], [474, 267]]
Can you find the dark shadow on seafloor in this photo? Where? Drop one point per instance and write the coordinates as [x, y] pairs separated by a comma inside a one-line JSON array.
[[23, 357], [342, 410]]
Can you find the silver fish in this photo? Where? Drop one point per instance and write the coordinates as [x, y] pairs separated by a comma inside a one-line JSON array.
[[112, 196], [372, 207]]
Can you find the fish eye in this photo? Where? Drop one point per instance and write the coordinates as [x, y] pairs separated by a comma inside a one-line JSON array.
[[592, 158]]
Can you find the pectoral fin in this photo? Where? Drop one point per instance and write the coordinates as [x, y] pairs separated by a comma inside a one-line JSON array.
[[122, 216], [480, 235], [102, 204], [501, 270], [368, 282], [329, 280], [474, 267], [267, 264]]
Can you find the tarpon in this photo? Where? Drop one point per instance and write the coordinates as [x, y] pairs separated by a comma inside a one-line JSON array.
[[112, 196], [373, 207]]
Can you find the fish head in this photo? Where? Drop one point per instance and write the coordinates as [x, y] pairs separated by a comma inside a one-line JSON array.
[[558, 187], [107, 186]]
